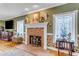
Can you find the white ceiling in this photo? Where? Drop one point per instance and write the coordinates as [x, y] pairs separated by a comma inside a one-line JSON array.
[[10, 10]]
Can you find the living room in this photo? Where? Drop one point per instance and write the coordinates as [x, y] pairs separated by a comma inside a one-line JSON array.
[[40, 27]]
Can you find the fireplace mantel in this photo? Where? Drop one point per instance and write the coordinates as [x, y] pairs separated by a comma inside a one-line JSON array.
[[37, 25]]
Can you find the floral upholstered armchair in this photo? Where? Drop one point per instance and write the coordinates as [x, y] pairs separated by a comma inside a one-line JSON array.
[[17, 39]]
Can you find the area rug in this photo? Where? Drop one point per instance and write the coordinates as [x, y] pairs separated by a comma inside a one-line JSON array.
[[5, 46], [9, 49], [15, 52], [7, 43]]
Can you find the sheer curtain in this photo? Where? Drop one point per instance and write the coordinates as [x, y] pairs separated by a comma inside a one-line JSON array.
[[65, 24], [20, 28]]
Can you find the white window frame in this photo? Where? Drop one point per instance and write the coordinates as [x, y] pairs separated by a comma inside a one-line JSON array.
[[20, 26], [76, 14]]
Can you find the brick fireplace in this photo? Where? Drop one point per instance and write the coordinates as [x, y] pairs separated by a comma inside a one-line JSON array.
[[35, 32], [40, 30]]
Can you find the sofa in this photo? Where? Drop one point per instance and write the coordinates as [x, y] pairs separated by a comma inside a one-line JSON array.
[[6, 35]]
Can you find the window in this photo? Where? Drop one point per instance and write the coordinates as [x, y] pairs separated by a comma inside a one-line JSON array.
[[20, 28], [65, 23]]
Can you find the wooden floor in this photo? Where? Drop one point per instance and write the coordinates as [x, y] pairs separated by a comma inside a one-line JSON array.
[[5, 45], [56, 53], [37, 51]]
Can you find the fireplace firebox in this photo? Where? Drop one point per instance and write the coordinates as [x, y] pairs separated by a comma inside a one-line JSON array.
[[35, 40]]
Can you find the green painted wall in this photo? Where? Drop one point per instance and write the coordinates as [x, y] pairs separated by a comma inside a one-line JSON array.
[[1, 23], [61, 9], [52, 11]]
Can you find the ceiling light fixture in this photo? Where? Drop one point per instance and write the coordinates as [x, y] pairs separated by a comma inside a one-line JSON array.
[[26, 9], [35, 6]]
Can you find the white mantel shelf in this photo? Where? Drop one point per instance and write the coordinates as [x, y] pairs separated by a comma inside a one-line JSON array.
[[37, 25]]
